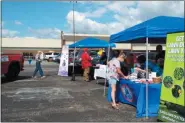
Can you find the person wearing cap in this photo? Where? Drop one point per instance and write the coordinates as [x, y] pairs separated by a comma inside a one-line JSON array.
[[39, 57], [100, 52], [86, 64]]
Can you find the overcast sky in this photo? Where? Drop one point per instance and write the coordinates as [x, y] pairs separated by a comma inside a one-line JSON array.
[[46, 19]]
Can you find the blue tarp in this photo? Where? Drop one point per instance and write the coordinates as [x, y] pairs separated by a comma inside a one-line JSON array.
[[157, 27], [91, 43], [132, 93]]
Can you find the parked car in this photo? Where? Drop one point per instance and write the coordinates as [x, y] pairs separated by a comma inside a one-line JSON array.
[[50, 56], [93, 54], [57, 58], [77, 65], [71, 55], [11, 65], [95, 57]]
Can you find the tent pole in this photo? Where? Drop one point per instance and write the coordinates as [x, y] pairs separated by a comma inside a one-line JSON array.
[[73, 73], [106, 70], [147, 77]]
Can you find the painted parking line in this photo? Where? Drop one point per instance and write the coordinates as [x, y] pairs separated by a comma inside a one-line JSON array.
[[26, 80]]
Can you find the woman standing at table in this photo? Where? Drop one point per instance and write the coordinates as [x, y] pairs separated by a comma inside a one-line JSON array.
[[114, 74]]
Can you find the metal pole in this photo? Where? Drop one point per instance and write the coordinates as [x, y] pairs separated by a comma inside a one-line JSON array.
[[147, 77], [73, 73], [106, 70], [62, 40]]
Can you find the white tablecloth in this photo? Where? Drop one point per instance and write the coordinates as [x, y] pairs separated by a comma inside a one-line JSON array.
[[101, 72]]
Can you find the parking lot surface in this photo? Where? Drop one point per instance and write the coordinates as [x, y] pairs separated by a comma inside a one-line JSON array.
[[57, 99]]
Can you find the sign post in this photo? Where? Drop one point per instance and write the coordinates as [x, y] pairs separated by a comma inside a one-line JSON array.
[[172, 108]]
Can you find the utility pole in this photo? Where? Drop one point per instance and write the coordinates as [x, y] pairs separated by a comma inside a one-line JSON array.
[[73, 73], [62, 40]]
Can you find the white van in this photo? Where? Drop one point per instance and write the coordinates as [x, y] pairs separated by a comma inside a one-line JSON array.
[[49, 56]]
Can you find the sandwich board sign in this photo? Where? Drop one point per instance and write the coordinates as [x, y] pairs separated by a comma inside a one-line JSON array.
[[172, 108]]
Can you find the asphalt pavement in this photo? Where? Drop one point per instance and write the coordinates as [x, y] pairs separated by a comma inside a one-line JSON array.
[[58, 99]]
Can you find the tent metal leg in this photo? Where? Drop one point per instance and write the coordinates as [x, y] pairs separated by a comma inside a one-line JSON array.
[[147, 77], [105, 87], [105, 84], [73, 74]]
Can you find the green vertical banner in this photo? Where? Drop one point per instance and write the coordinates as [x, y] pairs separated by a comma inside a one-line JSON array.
[[172, 108]]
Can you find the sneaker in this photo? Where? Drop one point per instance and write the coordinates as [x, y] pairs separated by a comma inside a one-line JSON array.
[[43, 77], [34, 77]]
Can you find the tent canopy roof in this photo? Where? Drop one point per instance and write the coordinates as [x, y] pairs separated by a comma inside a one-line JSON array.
[[91, 43], [157, 27]]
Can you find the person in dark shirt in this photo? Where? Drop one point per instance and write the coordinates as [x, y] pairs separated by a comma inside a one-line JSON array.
[[103, 59], [160, 53], [153, 67]]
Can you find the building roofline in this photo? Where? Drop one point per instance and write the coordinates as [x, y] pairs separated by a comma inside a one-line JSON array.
[[67, 34]]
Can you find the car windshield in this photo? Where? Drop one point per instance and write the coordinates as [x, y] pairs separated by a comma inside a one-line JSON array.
[[48, 53], [59, 55], [93, 53], [56, 53], [79, 53]]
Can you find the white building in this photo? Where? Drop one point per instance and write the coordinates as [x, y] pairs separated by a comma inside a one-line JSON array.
[[32, 45]]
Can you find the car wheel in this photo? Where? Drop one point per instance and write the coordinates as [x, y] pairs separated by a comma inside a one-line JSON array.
[[13, 72]]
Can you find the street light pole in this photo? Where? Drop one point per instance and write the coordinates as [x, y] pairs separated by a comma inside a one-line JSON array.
[[73, 73], [62, 40]]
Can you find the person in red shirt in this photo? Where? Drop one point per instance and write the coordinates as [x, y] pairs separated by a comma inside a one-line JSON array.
[[86, 64]]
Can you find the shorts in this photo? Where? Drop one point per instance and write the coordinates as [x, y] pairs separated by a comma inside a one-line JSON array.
[[112, 81]]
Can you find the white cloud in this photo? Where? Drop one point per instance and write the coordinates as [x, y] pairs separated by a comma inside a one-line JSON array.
[[9, 33], [96, 14], [150, 9], [18, 22], [6, 33], [94, 2], [126, 14], [86, 25], [45, 33], [120, 6], [143, 10], [95, 9]]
